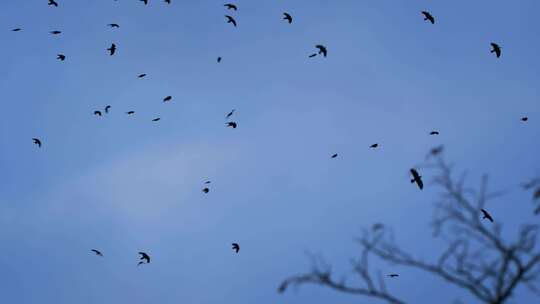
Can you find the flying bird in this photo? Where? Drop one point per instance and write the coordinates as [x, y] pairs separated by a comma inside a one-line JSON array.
[[168, 98], [334, 155], [393, 275], [107, 109], [312, 55], [205, 190], [434, 133], [496, 49], [219, 59], [232, 124], [207, 182], [287, 17], [231, 6], [236, 247], [52, 2], [130, 112], [113, 25], [156, 119], [230, 20], [97, 252], [230, 114], [16, 29], [61, 57], [98, 113], [144, 257], [55, 32], [486, 215], [428, 16], [37, 142], [112, 49], [168, 1], [145, 2], [525, 118], [322, 49], [141, 75], [417, 179], [374, 146]]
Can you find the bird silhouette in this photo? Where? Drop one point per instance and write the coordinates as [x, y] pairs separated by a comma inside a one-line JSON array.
[[334, 155], [287, 17], [322, 49], [55, 32], [428, 16], [393, 275], [107, 108], [230, 114], [230, 20], [144, 257], [417, 179], [156, 119], [374, 146], [16, 29], [232, 124], [496, 49], [168, 1], [168, 98], [231, 6], [61, 57], [130, 112], [312, 55], [141, 75], [525, 118], [434, 133], [97, 252], [112, 49], [98, 113], [145, 2], [206, 190], [486, 215], [37, 142], [219, 59], [113, 25], [52, 2], [236, 247]]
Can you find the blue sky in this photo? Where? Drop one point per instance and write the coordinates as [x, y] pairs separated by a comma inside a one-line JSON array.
[[125, 184]]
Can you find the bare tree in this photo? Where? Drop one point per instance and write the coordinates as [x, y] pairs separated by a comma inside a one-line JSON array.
[[476, 257]]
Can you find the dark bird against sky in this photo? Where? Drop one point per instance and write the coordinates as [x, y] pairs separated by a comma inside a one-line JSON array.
[[156, 119], [322, 49], [434, 133], [113, 25], [230, 20], [374, 146], [429, 17], [97, 113], [236, 247], [168, 98], [107, 108], [112, 49], [417, 179], [486, 215], [287, 17], [495, 48], [53, 3], [37, 142], [61, 57], [145, 258], [232, 124], [230, 114], [97, 252], [334, 155], [231, 6]]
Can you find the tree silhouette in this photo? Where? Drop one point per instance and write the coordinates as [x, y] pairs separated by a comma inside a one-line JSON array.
[[476, 257]]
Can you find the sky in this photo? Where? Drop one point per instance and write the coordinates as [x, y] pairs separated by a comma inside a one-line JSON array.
[[124, 184]]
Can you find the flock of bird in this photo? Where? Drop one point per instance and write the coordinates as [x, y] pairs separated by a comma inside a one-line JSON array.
[[321, 50]]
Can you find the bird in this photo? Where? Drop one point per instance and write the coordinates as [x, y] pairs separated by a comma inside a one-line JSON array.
[[156, 119], [219, 59], [97, 252], [205, 190], [16, 29], [525, 118], [145, 2], [37, 142], [168, 1], [322, 49], [144, 257], [207, 182], [52, 2], [393, 275], [334, 155], [231, 6], [428, 16], [55, 32], [112, 49], [230, 20], [417, 179], [287, 17], [236, 247], [130, 112], [434, 133], [141, 75], [232, 124], [61, 57], [496, 49], [312, 55], [374, 146], [98, 113], [230, 114], [168, 98], [107, 109], [486, 215], [113, 25]]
